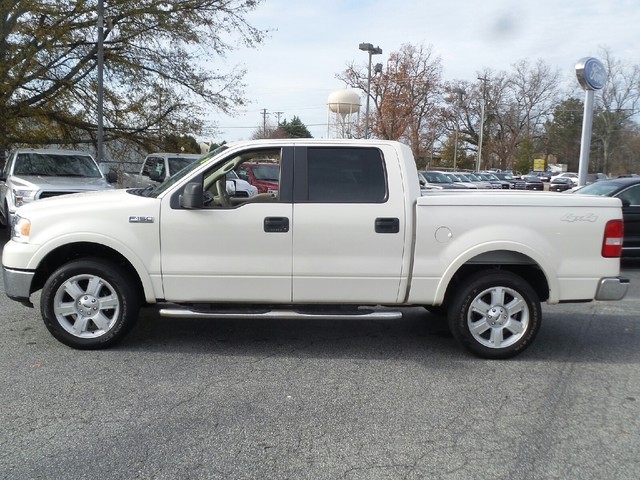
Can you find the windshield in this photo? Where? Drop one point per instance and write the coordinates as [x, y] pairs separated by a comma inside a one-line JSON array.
[[599, 188], [506, 176], [436, 177], [56, 165], [178, 163], [155, 191], [269, 173]]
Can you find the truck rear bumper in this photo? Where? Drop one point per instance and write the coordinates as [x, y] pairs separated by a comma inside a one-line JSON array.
[[17, 283], [612, 288]]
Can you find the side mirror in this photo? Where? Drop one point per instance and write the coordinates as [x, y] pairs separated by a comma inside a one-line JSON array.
[[232, 188], [422, 182], [112, 177], [192, 198]]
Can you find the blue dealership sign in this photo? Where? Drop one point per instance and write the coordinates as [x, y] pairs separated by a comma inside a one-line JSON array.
[[591, 73]]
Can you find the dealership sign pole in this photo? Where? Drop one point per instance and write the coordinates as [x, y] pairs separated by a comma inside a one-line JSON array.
[[592, 76]]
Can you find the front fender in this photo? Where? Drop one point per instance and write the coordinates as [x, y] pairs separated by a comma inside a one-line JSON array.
[[147, 269]]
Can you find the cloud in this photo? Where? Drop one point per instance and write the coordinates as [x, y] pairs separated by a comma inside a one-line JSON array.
[[295, 70]]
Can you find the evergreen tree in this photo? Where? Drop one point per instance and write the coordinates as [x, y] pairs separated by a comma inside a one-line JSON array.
[[294, 129]]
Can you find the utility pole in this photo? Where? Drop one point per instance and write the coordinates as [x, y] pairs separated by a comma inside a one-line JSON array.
[[278, 114], [484, 81], [100, 105], [460, 93], [264, 122]]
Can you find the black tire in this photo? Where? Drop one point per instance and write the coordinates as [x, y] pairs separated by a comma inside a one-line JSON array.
[[495, 314], [5, 235], [89, 304]]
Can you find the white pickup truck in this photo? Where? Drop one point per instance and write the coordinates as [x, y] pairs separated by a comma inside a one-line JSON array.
[[347, 236]]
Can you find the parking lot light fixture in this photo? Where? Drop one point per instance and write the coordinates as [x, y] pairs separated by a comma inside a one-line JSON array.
[[371, 50]]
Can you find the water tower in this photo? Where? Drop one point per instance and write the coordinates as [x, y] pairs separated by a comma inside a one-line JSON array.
[[343, 113]]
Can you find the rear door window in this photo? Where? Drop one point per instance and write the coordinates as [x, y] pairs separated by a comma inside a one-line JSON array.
[[346, 175]]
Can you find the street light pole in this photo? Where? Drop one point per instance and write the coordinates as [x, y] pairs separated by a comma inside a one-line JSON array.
[[100, 105], [368, 47], [460, 92], [484, 87]]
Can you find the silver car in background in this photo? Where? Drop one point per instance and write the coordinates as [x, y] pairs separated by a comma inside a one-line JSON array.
[[32, 174]]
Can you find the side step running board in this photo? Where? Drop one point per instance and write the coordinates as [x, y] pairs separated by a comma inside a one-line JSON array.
[[285, 314]]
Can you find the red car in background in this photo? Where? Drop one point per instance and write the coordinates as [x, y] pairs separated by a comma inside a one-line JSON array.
[[264, 176]]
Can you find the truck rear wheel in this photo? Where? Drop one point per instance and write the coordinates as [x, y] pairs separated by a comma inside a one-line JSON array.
[[495, 314], [89, 304]]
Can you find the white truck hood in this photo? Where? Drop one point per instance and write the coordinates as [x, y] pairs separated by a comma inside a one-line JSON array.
[[103, 213], [74, 184]]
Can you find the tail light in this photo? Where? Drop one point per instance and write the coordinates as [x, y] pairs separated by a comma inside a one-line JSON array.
[[612, 240]]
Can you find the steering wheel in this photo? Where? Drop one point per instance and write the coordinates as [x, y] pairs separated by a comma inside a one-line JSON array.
[[223, 195], [207, 198]]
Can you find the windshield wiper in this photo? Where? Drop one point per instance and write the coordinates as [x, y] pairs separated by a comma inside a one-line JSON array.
[[143, 192]]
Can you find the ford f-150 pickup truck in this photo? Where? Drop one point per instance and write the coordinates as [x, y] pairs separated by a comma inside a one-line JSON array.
[[347, 234]]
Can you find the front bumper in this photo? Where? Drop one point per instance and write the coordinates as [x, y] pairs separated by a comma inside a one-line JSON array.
[[17, 284], [612, 288]]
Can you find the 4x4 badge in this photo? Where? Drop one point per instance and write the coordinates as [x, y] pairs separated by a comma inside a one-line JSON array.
[[136, 219]]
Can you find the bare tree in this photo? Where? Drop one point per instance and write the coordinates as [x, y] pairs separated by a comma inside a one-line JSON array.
[[517, 106], [616, 107], [158, 74], [406, 97]]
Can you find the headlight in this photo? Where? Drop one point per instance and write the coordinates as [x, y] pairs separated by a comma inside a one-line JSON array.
[[20, 229], [23, 196]]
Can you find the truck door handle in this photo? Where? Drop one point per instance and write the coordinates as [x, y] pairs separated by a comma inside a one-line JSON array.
[[387, 225], [276, 224]]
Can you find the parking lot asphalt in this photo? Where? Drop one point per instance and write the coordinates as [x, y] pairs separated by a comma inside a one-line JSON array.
[[281, 399]]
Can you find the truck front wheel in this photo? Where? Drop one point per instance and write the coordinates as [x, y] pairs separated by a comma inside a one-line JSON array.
[[89, 304], [495, 314]]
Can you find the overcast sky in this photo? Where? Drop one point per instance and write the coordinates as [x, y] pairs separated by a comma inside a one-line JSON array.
[[294, 71]]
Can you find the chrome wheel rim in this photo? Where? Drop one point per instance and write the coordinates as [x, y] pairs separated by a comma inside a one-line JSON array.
[[498, 317], [86, 306]]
